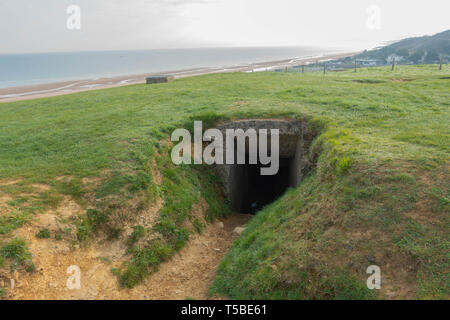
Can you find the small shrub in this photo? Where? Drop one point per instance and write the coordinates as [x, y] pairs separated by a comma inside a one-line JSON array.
[[113, 233], [138, 233], [29, 266], [12, 221], [198, 225], [17, 251], [96, 218], [144, 261], [43, 234], [343, 165], [180, 238], [165, 227], [83, 231]]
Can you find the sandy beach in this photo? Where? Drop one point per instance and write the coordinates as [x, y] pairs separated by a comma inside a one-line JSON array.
[[67, 87]]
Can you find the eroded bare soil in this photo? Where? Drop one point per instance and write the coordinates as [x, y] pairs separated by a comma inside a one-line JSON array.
[[187, 275]]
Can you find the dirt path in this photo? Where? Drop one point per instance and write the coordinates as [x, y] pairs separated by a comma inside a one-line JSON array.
[[188, 274]]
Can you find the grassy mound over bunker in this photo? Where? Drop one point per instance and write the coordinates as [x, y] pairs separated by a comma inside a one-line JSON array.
[[378, 194]]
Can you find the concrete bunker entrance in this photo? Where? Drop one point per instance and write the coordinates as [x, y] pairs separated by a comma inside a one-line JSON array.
[[246, 189], [252, 191]]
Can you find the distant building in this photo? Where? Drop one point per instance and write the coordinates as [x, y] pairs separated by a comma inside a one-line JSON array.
[[391, 57], [368, 62]]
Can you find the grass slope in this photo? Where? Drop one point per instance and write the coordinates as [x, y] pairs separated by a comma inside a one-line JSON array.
[[379, 194]]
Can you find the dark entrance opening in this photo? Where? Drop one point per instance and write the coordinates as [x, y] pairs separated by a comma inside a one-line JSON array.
[[256, 190], [245, 188]]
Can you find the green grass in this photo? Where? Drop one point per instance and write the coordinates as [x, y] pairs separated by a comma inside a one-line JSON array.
[[380, 186], [145, 260], [11, 221], [17, 253], [138, 233], [43, 234]]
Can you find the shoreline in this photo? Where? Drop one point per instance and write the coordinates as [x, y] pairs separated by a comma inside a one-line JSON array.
[[29, 92]]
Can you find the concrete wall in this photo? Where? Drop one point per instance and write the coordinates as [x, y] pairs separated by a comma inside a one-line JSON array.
[[158, 79], [295, 139]]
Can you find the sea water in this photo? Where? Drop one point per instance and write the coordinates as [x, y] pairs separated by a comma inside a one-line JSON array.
[[40, 68]]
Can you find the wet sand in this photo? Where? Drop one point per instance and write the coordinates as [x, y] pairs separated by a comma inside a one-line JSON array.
[[67, 87]]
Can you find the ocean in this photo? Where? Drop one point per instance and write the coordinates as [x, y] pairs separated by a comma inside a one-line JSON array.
[[28, 69]]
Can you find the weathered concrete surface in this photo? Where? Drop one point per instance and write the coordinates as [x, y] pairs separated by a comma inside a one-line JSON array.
[[159, 79], [294, 142], [289, 131]]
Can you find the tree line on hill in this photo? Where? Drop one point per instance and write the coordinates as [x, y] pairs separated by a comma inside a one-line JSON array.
[[417, 50]]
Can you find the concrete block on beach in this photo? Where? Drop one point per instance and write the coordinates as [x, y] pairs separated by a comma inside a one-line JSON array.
[[159, 79]]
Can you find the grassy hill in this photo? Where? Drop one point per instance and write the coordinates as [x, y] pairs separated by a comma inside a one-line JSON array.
[[379, 193], [426, 49]]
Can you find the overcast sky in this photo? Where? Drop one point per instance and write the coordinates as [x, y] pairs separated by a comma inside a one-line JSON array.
[[41, 25]]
